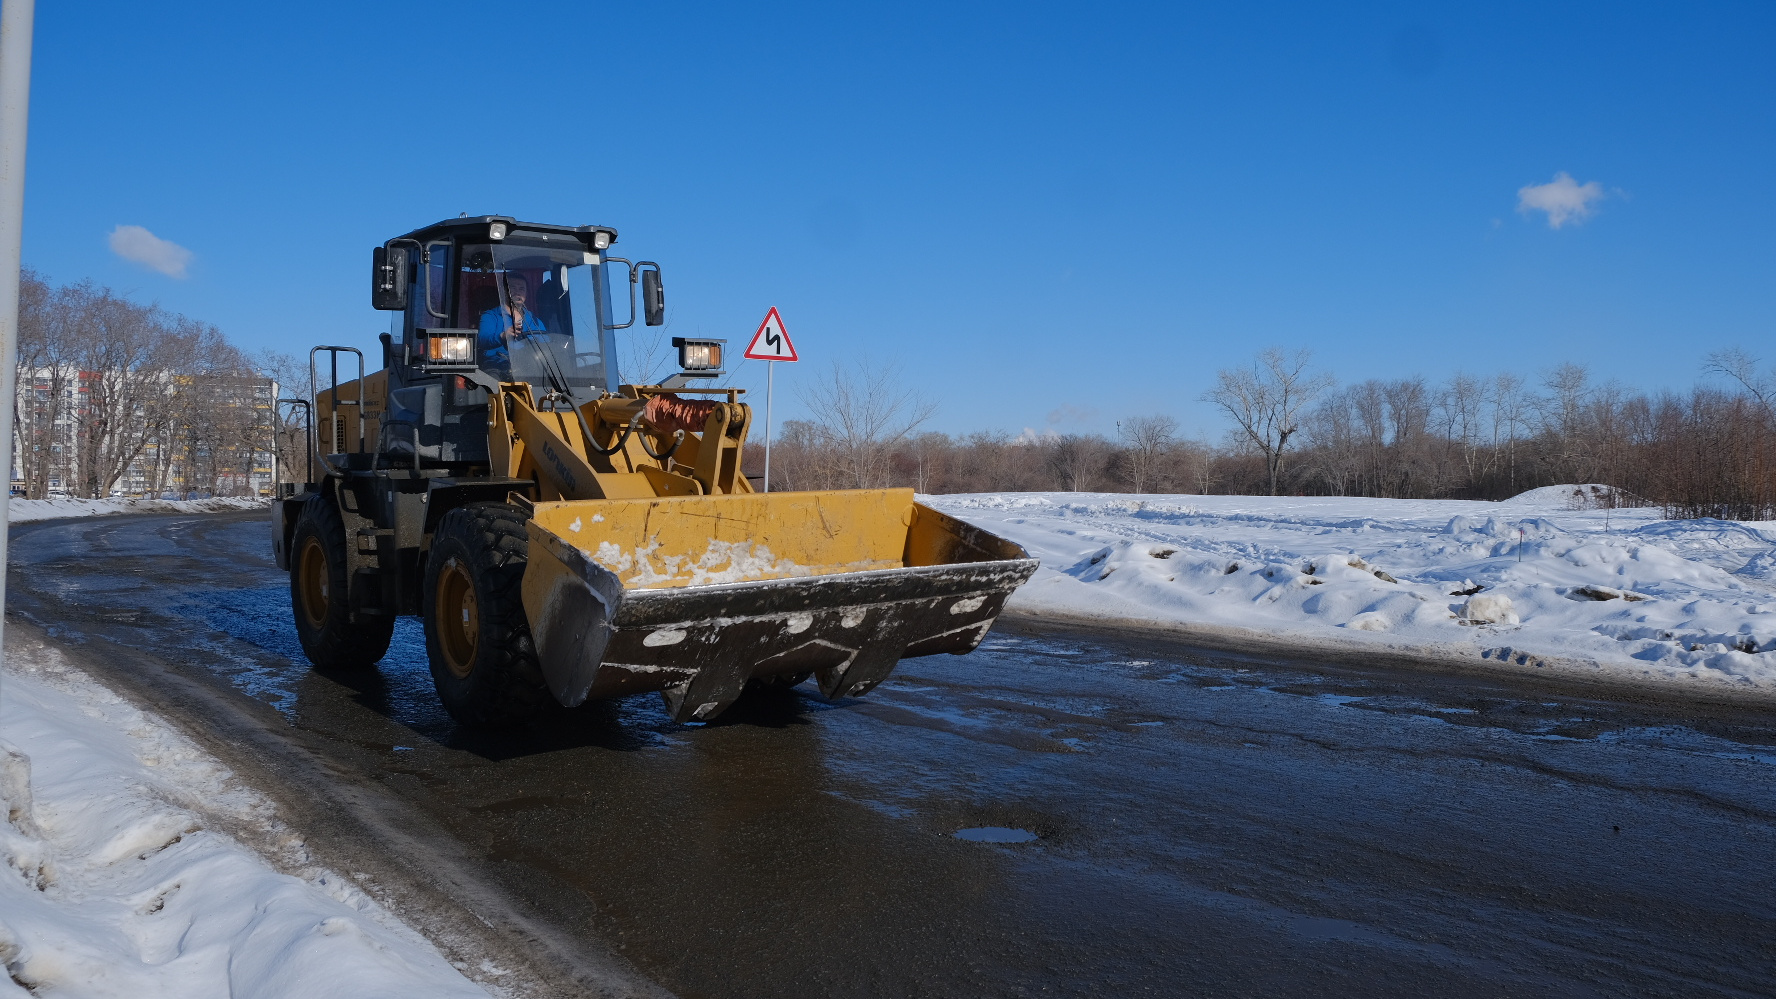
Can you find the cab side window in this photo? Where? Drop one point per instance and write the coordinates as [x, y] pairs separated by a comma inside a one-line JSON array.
[[477, 289], [437, 285]]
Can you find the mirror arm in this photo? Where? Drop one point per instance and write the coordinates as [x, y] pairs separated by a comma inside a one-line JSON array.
[[632, 280]]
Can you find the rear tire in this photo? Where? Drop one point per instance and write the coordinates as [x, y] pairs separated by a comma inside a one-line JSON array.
[[320, 595], [477, 636]]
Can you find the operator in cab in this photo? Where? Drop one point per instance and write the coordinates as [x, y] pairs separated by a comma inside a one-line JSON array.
[[502, 324]]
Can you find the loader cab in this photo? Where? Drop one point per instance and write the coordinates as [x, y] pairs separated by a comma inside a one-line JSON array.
[[486, 300], [513, 301]]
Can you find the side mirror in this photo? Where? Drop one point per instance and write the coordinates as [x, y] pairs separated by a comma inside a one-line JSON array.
[[653, 297], [388, 279]]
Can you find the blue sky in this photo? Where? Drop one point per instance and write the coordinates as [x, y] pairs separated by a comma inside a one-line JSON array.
[[1045, 215]]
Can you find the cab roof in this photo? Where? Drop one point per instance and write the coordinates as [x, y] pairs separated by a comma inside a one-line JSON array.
[[477, 225]]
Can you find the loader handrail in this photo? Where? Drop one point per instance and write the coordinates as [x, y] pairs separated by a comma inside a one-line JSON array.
[[334, 403], [307, 432]]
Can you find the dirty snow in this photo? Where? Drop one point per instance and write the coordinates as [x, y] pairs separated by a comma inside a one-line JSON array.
[[20, 511], [1518, 583], [721, 562], [117, 881]]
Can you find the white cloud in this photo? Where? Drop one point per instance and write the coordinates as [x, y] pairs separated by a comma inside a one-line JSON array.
[[132, 242], [1069, 413], [1564, 199]]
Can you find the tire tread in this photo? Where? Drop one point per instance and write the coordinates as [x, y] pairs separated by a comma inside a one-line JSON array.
[[505, 686], [342, 643]]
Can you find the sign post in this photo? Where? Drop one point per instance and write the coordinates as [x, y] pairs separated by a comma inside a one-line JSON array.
[[770, 344]]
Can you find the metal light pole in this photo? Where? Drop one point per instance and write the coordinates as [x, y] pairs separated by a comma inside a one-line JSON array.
[[15, 102]]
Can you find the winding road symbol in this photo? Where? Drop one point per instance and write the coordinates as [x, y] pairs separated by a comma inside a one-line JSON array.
[[771, 342]]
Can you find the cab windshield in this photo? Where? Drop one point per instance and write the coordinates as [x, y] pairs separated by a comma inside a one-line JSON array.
[[535, 310]]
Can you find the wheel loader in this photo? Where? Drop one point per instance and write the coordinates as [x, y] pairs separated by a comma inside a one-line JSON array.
[[564, 535]]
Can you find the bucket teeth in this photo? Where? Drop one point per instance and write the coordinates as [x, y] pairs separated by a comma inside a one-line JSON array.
[[871, 664], [723, 667]]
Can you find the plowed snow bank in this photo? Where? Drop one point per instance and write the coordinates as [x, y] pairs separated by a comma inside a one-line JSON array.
[[113, 884], [20, 511], [1619, 590]]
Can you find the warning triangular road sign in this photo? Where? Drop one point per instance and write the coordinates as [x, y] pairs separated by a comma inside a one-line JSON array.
[[771, 342]]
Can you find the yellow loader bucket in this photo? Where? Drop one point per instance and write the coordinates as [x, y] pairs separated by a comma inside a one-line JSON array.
[[695, 595]]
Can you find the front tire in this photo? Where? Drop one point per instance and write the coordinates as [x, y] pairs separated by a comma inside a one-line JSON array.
[[483, 661], [320, 595]]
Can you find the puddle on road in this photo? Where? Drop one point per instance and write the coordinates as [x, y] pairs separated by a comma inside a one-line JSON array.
[[1480, 705], [400, 686], [996, 834]]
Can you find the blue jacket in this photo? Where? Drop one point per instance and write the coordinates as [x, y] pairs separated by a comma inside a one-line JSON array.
[[496, 323]]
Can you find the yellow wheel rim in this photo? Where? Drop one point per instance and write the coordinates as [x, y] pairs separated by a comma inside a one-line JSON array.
[[311, 576], [457, 618]]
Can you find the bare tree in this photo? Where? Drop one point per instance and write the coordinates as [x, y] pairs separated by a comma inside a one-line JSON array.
[[1266, 402], [127, 370], [1147, 438], [46, 375], [1410, 470], [1186, 466], [645, 355], [1461, 407], [1741, 367], [799, 459], [926, 454], [1075, 460], [1562, 420], [864, 413], [990, 460], [1331, 432], [289, 428], [1510, 420]]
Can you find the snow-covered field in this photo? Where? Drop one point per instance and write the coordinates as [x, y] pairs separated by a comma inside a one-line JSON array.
[[1528, 583], [114, 881], [19, 511]]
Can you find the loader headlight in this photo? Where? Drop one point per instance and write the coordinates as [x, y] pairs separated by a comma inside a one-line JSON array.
[[601, 240], [451, 349], [496, 231], [698, 355]]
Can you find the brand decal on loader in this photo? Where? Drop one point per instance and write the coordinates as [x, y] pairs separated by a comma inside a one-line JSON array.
[[561, 469]]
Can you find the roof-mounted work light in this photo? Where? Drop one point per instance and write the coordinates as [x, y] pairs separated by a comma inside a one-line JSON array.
[[601, 240], [496, 231]]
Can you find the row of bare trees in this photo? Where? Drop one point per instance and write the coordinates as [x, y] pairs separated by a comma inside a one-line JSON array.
[[868, 437], [1708, 452], [115, 396]]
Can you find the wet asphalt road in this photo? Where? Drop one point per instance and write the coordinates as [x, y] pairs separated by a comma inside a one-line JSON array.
[[1208, 823]]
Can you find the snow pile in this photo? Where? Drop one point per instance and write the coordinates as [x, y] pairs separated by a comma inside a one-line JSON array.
[[113, 884], [20, 511], [1584, 496], [1532, 577]]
